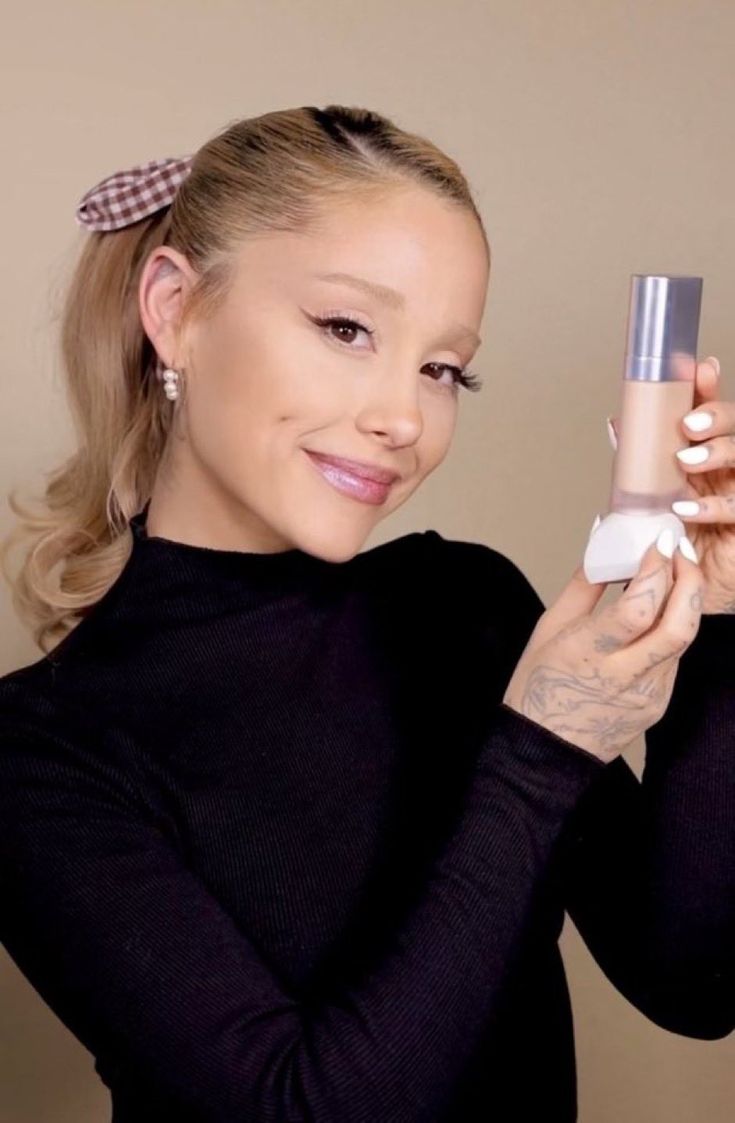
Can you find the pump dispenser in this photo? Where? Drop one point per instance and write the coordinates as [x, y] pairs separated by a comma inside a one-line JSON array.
[[658, 390]]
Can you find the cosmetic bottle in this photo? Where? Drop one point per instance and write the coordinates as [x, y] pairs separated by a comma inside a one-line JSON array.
[[657, 391]]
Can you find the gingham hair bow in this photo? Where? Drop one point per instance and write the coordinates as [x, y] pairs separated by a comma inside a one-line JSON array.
[[126, 197]]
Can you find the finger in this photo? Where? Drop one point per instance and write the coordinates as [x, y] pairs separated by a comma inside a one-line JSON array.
[[707, 378], [710, 418], [680, 619], [639, 606], [706, 456], [706, 381], [706, 509]]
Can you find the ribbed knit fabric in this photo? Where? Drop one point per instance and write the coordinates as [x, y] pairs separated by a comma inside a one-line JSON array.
[[274, 850]]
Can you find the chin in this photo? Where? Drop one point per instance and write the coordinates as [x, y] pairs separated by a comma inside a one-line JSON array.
[[337, 548]]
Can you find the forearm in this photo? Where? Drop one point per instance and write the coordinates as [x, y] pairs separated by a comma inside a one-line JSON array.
[[688, 786], [649, 879], [135, 955]]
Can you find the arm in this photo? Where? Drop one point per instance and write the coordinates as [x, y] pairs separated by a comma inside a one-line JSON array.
[[648, 868], [154, 977], [651, 881]]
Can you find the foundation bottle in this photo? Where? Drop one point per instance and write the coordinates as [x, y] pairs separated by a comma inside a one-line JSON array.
[[657, 390]]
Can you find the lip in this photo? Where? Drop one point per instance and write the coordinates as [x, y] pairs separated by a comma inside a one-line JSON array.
[[361, 468], [362, 488]]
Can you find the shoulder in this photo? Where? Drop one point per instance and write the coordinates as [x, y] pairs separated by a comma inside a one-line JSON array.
[[472, 568], [453, 615], [457, 589], [24, 690], [476, 557], [46, 733], [31, 710]]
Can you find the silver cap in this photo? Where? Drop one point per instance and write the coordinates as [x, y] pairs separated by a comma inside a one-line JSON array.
[[663, 325]]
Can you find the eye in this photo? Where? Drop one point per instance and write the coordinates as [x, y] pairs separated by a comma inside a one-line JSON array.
[[461, 376], [344, 324]]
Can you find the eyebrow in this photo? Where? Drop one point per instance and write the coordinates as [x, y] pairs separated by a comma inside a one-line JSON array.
[[392, 298]]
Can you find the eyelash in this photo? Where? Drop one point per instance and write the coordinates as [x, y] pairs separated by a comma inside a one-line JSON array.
[[462, 377]]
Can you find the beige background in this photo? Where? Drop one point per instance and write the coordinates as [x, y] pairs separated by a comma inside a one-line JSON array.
[[597, 136]]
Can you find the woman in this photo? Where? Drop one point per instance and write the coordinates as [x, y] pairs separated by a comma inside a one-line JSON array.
[[286, 831]]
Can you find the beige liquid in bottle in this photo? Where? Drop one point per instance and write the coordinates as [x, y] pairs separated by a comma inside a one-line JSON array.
[[647, 476], [658, 391]]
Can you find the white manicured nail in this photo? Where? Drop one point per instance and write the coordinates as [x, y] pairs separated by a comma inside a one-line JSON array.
[[685, 507], [698, 421], [665, 542], [687, 549], [697, 454]]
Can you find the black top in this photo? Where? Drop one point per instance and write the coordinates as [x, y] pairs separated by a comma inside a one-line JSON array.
[[273, 849]]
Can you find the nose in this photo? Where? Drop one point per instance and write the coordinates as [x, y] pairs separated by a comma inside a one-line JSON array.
[[392, 408]]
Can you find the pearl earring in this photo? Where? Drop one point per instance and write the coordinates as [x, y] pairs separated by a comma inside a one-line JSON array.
[[171, 383]]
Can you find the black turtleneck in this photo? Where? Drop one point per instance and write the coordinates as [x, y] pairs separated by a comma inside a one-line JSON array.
[[273, 849]]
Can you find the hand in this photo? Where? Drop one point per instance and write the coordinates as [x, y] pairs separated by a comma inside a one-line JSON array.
[[711, 485], [601, 679]]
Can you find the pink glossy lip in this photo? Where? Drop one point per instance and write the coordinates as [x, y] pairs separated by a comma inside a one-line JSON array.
[[359, 468]]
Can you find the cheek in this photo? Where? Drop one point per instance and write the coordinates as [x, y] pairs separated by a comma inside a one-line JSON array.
[[248, 408], [270, 368], [439, 413], [225, 409], [235, 379]]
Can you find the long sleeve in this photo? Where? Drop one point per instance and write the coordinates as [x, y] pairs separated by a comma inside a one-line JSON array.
[[648, 875], [651, 881], [142, 963]]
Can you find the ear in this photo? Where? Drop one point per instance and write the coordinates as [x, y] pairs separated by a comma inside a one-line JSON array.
[[165, 282]]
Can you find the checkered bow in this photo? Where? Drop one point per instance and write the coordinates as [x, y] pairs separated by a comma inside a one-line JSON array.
[[127, 196]]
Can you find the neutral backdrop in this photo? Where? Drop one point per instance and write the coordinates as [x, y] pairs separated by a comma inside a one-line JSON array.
[[597, 137]]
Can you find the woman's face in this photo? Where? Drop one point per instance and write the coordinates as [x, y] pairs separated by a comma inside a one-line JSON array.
[[266, 385]]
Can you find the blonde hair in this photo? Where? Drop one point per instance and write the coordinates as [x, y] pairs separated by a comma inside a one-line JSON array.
[[274, 172]]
